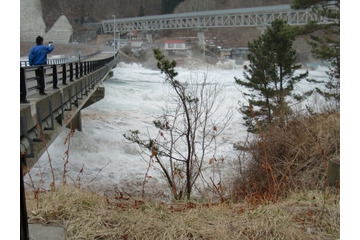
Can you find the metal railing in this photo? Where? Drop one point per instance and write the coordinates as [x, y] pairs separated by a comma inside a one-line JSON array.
[[83, 76], [34, 77], [61, 60], [52, 61]]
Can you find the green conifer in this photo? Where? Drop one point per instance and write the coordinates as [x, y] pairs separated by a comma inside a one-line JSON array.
[[270, 76]]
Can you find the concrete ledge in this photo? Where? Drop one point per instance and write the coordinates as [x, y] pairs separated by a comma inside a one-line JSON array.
[[67, 93], [41, 232], [95, 97], [44, 104], [25, 113]]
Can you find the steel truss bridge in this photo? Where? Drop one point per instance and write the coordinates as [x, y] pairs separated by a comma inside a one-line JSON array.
[[242, 17]]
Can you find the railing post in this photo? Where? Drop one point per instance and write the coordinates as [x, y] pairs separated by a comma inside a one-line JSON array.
[[55, 77], [23, 90], [85, 68], [81, 69], [77, 70], [64, 74], [40, 78], [71, 72], [90, 67]]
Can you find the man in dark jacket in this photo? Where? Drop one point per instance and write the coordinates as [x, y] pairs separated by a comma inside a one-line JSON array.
[[38, 56]]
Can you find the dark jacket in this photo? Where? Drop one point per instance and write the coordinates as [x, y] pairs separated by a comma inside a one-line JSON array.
[[38, 54]]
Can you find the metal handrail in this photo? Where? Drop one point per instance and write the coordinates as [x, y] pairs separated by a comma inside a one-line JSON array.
[[52, 61], [55, 72], [85, 75], [61, 60]]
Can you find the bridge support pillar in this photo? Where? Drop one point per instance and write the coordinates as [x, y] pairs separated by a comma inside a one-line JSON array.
[[149, 37], [201, 38], [97, 96], [76, 122]]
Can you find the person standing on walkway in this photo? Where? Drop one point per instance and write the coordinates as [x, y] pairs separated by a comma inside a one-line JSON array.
[[38, 56]]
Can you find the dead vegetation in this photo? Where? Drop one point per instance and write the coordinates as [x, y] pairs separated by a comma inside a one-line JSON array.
[[294, 203], [290, 158], [303, 215]]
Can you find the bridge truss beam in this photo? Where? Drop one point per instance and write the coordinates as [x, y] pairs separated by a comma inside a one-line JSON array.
[[244, 17]]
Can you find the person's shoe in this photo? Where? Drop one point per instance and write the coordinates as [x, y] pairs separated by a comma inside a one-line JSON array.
[[56, 88], [43, 93], [25, 101]]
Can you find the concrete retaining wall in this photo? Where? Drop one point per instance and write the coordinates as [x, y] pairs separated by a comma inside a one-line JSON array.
[[33, 25], [60, 32], [31, 21]]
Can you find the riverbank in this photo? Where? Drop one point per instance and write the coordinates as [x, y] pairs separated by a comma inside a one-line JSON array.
[[86, 215]]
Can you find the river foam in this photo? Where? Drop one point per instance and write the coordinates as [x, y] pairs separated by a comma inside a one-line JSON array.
[[134, 97]]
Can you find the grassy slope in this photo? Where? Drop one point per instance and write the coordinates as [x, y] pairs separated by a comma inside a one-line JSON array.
[[304, 215]]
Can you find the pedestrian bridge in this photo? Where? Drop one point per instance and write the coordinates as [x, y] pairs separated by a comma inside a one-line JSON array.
[[70, 87]]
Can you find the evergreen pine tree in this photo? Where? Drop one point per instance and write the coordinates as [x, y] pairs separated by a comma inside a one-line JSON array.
[[270, 76]]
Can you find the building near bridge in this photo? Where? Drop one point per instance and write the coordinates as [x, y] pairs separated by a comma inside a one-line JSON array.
[[174, 45], [225, 53], [241, 52], [136, 43]]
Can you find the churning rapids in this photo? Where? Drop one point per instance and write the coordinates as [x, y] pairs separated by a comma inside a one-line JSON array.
[[101, 159]]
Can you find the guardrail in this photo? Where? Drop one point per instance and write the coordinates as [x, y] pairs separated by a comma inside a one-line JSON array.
[[52, 61], [31, 78], [84, 77], [61, 60]]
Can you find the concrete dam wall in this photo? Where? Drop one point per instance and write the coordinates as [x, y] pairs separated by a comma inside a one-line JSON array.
[[33, 25]]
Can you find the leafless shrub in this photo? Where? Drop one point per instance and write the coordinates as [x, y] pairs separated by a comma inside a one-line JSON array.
[[296, 157]]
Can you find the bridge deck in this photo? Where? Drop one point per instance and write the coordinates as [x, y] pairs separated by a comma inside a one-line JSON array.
[[46, 116]]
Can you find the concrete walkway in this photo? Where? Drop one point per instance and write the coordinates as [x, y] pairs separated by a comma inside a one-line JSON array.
[[46, 232]]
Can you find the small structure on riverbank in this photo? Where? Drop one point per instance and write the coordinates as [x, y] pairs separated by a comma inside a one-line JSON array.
[[171, 46]]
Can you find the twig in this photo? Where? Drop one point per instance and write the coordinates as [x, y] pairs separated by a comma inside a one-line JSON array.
[[98, 173], [47, 152], [67, 140], [217, 190]]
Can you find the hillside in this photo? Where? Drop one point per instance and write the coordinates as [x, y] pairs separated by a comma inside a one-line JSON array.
[[86, 11], [82, 11]]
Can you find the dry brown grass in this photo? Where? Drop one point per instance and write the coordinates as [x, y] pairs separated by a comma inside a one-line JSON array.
[[304, 215], [289, 158]]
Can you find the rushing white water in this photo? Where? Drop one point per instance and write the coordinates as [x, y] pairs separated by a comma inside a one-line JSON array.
[[134, 97]]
